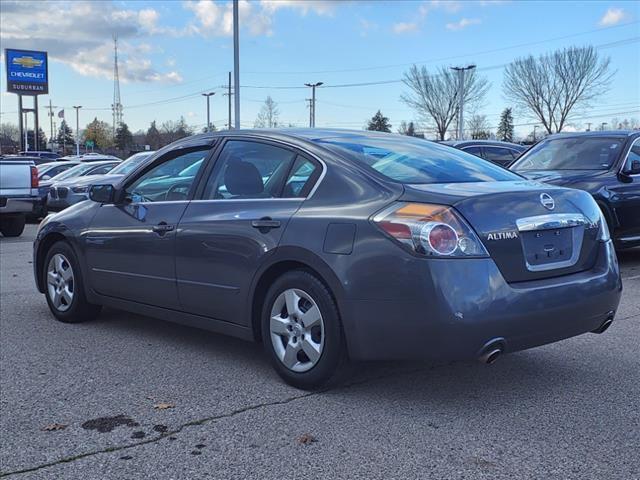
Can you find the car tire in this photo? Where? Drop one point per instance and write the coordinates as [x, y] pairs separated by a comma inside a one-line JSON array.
[[63, 285], [322, 336], [12, 226]]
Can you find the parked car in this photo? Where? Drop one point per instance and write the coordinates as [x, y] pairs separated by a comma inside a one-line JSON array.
[[36, 160], [44, 154], [90, 157], [77, 187], [501, 153], [18, 194], [605, 164], [62, 191], [47, 171], [303, 240]]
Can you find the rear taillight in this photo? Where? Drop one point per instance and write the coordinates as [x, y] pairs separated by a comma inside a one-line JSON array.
[[430, 230], [34, 177], [603, 232]]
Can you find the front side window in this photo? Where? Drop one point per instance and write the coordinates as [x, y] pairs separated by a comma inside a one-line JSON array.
[[249, 170], [633, 156], [572, 153], [171, 180], [409, 160]]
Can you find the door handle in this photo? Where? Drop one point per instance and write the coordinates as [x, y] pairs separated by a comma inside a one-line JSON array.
[[162, 228], [265, 223]]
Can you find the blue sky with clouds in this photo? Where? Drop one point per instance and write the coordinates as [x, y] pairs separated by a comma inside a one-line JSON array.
[[171, 51]]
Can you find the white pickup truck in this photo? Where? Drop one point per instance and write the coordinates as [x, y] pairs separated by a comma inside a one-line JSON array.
[[18, 194]]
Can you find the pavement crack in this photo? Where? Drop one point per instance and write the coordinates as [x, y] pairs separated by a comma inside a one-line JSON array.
[[214, 418]]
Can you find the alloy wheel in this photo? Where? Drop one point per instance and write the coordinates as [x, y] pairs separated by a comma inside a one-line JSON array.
[[297, 330], [60, 282]]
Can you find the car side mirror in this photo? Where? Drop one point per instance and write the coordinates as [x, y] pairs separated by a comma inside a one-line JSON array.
[[46, 177], [102, 193]]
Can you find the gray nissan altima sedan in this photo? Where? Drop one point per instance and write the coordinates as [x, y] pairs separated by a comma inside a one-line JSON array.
[[331, 244]]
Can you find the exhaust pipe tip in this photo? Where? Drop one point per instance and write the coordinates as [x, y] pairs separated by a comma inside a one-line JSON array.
[[490, 355], [605, 325]]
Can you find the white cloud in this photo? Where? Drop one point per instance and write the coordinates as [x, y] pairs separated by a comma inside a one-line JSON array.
[[463, 23], [366, 26], [404, 27], [79, 33], [612, 16], [216, 19]]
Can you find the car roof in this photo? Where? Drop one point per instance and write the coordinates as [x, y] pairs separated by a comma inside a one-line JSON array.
[[605, 133], [497, 143]]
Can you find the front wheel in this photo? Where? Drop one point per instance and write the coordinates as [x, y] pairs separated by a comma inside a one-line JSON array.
[[63, 286], [301, 329]]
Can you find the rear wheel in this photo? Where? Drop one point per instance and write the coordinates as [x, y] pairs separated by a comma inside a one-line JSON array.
[[12, 226], [301, 330], [64, 288]]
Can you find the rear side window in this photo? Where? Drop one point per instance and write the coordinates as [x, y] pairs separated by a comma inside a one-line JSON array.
[[301, 179], [408, 160], [247, 169], [474, 150], [503, 156]]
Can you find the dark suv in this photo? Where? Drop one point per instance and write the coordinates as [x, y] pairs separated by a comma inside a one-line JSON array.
[[500, 153], [605, 164]]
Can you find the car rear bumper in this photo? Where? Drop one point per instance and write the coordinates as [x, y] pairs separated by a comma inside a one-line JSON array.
[[17, 205], [467, 304]]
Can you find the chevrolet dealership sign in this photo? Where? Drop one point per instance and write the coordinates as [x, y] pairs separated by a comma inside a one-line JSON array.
[[27, 72]]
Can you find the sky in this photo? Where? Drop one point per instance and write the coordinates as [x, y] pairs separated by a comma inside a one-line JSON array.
[[172, 51]]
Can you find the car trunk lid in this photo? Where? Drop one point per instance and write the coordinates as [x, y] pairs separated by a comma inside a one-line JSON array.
[[531, 230]]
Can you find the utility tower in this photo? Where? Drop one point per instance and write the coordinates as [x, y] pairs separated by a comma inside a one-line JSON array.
[[116, 106]]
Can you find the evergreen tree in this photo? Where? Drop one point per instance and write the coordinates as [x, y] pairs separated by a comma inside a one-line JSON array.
[[124, 138], [379, 123], [65, 136], [408, 129], [153, 138], [42, 140], [505, 128]]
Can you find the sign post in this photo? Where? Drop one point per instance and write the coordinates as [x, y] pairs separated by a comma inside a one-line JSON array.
[[27, 74]]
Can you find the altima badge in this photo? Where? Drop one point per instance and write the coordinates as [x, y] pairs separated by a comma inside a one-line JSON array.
[[502, 235], [547, 201]]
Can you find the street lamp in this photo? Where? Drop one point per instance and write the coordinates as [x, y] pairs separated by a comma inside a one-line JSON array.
[[77, 107], [313, 86], [461, 71], [603, 125], [208, 111]]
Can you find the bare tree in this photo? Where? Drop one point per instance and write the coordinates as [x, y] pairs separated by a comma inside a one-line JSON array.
[[435, 96], [268, 115], [555, 86], [478, 127]]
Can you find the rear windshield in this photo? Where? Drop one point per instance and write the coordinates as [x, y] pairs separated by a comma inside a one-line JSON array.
[[574, 153], [409, 160], [75, 171]]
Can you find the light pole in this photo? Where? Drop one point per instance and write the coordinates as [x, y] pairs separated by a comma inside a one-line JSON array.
[[236, 63], [461, 71], [603, 125], [77, 107], [208, 111], [535, 127], [313, 101]]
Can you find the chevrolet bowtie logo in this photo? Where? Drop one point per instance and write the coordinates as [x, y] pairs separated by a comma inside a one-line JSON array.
[[27, 62]]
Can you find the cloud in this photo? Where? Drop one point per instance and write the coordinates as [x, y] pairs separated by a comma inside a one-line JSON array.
[[216, 19], [612, 16], [404, 27], [366, 26], [463, 23], [79, 34], [424, 10]]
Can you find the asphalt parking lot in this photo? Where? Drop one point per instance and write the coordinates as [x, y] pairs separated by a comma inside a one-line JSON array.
[[131, 397]]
